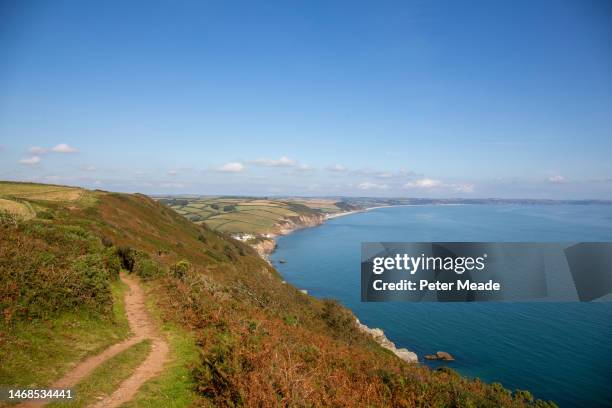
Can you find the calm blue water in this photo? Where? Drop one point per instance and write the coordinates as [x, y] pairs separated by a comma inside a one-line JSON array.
[[559, 351]]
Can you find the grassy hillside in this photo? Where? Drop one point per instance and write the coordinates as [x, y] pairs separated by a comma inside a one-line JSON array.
[[246, 215], [259, 342]]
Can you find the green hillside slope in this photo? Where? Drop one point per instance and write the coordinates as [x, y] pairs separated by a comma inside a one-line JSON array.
[[259, 342]]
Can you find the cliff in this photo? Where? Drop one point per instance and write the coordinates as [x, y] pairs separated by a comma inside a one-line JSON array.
[[265, 246], [290, 224]]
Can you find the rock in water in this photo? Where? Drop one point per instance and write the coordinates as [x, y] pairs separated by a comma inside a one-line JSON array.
[[443, 355], [440, 355]]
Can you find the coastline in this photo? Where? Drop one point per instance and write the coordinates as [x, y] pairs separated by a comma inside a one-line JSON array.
[[268, 245]]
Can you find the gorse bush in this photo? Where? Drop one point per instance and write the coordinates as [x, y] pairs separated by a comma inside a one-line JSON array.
[[47, 269], [179, 270], [112, 262], [147, 268], [90, 286]]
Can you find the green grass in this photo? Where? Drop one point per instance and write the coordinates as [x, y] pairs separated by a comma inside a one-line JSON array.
[[174, 386], [35, 353], [105, 379]]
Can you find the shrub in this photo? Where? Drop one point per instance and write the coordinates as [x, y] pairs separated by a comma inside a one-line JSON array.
[[216, 375], [50, 272], [148, 269], [112, 263], [92, 289], [340, 320], [179, 270]]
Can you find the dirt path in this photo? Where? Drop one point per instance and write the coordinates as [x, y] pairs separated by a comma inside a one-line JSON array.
[[142, 328]]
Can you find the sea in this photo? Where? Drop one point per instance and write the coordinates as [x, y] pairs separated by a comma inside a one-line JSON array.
[[558, 351]]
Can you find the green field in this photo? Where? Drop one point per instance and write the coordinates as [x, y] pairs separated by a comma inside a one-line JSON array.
[[246, 215], [26, 200]]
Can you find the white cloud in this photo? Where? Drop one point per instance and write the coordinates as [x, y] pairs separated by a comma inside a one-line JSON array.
[[60, 148], [173, 172], [557, 179], [423, 183], [366, 185], [231, 167], [338, 168], [284, 161], [30, 161], [463, 188], [88, 168], [63, 148]]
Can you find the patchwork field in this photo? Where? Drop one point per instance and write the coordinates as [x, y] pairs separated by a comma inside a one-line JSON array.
[[246, 215]]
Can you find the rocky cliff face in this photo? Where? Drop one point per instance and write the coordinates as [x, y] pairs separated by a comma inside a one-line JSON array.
[[264, 247], [380, 337], [290, 224]]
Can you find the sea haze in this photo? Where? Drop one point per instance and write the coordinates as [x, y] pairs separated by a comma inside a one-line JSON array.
[[558, 351]]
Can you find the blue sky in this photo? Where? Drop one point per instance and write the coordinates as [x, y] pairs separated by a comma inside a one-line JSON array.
[[407, 98]]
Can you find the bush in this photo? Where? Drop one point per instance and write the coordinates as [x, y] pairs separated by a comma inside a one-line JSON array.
[[148, 269], [179, 270], [218, 372], [340, 320], [47, 269], [92, 289], [112, 263]]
